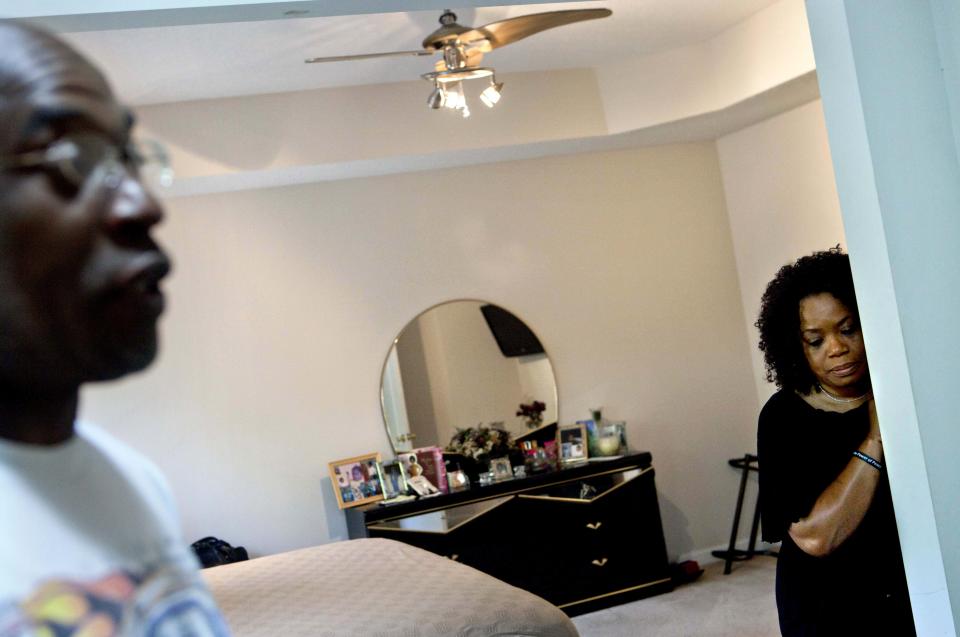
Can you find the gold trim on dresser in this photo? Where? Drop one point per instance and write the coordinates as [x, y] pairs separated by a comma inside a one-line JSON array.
[[622, 590], [643, 470], [381, 527], [581, 500]]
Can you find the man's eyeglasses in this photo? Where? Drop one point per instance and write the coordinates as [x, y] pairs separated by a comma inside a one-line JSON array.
[[75, 158]]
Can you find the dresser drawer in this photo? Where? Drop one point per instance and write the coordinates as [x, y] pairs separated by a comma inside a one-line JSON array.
[[462, 533], [614, 585], [617, 511], [589, 574], [608, 543], [578, 576]]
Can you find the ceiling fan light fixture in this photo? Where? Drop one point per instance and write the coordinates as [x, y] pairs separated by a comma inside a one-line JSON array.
[[491, 95], [462, 49], [437, 97], [454, 95], [458, 75], [453, 57]]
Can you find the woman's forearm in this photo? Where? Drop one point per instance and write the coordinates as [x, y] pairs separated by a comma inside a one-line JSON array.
[[841, 507]]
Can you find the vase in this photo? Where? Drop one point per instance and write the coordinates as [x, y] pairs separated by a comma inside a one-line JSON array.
[[611, 439]]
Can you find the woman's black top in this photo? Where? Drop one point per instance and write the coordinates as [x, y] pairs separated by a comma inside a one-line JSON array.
[[859, 588]]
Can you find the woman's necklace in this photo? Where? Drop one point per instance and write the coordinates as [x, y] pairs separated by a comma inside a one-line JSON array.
[[837, 399]]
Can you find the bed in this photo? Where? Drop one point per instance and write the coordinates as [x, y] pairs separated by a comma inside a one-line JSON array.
[[376, 588]]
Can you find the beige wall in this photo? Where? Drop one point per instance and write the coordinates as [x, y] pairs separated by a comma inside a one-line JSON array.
[[285, 302], [368, 122], [766, 50], [782, 201]]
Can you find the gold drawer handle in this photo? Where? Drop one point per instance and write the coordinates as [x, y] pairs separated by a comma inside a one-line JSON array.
[[593, 526], [454, 557], [599, 562]]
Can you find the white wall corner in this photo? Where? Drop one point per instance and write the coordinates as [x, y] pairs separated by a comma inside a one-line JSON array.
[[762, 52]]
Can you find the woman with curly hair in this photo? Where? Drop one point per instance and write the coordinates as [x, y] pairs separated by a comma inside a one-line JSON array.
[[823, 488]]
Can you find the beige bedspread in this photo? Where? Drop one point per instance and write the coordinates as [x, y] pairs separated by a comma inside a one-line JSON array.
[[375, 588]]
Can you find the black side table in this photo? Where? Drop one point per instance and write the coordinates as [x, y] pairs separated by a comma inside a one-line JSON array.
[[746, 464]]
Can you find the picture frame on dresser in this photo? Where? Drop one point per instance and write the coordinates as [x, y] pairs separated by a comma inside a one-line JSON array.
[[394, 479], [501, 468], [572, 443], [357, 480]]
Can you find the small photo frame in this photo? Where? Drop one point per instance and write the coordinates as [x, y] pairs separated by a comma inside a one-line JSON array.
[[394, 479], [501, 468], [572, 442], [416, 481], [357, 480]]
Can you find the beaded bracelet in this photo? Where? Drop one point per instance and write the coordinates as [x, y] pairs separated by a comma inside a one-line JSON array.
[[873, 462]]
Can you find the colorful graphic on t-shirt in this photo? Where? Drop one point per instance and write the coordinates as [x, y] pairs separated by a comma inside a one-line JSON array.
[[161, 605]]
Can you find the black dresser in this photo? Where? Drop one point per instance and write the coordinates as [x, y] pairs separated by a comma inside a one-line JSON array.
[[583, 537]]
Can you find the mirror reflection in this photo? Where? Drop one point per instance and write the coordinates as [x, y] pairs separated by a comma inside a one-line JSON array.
[[460, 364]]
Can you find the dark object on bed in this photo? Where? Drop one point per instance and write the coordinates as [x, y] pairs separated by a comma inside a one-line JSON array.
[[212, 551]]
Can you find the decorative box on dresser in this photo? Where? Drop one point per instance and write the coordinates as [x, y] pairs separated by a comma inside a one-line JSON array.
[[583, 537]]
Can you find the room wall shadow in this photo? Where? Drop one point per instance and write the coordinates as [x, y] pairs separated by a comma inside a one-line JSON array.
[[675, 528], [336, 522]]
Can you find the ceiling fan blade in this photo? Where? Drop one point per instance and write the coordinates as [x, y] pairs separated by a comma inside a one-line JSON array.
[[367, 56], [504, 32]]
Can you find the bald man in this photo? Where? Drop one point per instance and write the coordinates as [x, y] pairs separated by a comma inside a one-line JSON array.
[[89, 538]]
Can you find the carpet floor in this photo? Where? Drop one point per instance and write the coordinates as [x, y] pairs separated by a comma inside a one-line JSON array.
[[715, 605]]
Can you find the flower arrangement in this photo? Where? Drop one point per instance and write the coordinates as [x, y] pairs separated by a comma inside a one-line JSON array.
[[475, 442], [532, 413]]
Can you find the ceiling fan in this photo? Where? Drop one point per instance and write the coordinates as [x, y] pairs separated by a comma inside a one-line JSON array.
[[462, 50]]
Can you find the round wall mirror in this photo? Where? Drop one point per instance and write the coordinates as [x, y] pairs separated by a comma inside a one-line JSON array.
[[460, 364]]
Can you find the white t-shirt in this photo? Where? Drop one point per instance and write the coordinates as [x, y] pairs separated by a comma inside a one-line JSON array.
[[89, 538]]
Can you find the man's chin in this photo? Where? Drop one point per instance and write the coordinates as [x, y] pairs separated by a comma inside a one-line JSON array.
[[126, 361]]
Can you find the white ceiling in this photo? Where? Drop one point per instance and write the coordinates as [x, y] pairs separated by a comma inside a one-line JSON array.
[[168, 64]]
